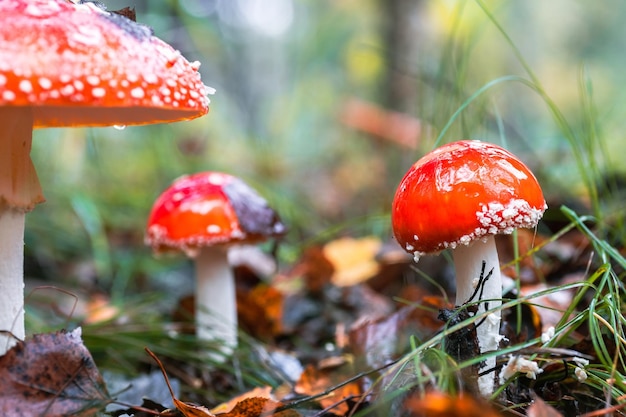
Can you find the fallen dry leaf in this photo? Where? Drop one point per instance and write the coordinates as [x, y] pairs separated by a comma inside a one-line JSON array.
[[395, 127], [263, 392], [99, 309], [317, 380], [260, 311], [51, 374], [353, 260], [259, 407], [248, 407], [383, 340]]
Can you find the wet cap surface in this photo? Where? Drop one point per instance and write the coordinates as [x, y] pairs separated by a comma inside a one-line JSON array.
[[463, 191]]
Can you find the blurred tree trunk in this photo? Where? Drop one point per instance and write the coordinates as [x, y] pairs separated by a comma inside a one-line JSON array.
[[401, 26]]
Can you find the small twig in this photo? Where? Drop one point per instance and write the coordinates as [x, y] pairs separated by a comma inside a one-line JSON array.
[[158, 361]]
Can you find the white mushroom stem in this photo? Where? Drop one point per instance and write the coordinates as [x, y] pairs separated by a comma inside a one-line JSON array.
[[468, 263], [19, 192], [11, 277], [216, 303]]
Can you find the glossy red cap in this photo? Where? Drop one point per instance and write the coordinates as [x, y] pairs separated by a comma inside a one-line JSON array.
[[463, 191], [209, 208], [79, 65]]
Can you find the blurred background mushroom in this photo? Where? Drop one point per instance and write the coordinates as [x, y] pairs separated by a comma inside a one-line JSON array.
[[203, 215]]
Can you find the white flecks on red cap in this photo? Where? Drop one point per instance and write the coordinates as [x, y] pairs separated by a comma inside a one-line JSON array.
[[79, 65]]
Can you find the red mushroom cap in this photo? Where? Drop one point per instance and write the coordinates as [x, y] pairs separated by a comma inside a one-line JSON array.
[[209, 208], [79, 65], [463, 191]]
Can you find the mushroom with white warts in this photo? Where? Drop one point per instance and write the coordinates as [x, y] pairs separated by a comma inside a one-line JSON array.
[[458, 197], [203, 215], [66, 64]]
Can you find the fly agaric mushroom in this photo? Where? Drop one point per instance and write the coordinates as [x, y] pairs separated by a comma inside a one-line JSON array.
[[202, 215], [458, 197], [66, 64]]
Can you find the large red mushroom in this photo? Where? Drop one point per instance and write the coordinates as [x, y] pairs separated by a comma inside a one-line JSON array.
[[66, 64], [203, 215], [458, 197]]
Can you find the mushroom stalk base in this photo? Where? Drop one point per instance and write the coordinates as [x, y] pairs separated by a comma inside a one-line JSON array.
[[11, 277], [216, 308], [468, 263]]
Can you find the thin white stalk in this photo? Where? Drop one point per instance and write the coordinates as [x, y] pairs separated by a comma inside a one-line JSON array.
[[216, 308], [19, 192], [11, 277], [468, 263]]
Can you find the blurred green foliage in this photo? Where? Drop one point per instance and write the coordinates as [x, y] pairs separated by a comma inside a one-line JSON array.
[[284, 70]]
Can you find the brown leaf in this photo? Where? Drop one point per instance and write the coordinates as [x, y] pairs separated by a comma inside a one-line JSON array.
[[260, 311], [51, 374], [316, 380], [382, 340], [263, 392]]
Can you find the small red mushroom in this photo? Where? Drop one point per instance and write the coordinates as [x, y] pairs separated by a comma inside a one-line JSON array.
[[66, 64], [202, 215], [458, 197]]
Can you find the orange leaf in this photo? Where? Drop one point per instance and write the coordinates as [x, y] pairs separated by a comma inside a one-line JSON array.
[[263, 392], [438, 404], [259, 407], [354, 260], [316, 380]]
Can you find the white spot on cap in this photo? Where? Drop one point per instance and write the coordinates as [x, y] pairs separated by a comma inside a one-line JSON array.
[[199, 207], [45, 83], [67, 90], [214, 229], [137, 92], [150, 78], [93, 80], [25, 86], [98, 92], [3, 79], [8, 95]]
